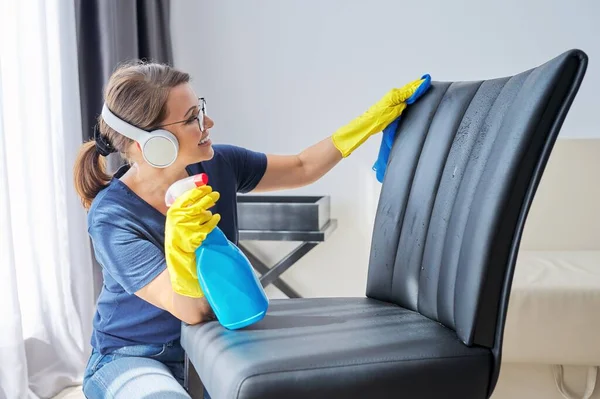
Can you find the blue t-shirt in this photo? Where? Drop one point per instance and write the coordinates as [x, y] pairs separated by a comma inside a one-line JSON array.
[[128, 238]]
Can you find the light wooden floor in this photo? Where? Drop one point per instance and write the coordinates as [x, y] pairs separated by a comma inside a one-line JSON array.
[[71, 393]]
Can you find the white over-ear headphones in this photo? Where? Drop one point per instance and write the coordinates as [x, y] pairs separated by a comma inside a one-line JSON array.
[[159, 147]]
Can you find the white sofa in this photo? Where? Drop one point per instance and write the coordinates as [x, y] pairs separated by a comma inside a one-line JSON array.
[[552, 335]]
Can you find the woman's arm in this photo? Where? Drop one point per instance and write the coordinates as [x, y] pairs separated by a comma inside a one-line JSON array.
[[292, 171], [159, 292], [137, 264]]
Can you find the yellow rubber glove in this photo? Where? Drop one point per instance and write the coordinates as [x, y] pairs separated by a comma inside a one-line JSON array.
[[375, 119], [188, 223]]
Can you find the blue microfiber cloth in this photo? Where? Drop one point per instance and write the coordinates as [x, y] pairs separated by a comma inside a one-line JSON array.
[[389, 133]]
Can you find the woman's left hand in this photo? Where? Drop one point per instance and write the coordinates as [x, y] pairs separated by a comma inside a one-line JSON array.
[[375, 119], [293, 171]]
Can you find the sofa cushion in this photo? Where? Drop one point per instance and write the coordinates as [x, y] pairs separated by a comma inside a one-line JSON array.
[[553, 315]]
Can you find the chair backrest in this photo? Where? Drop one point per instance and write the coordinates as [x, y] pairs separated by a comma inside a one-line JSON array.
[[462, 173]]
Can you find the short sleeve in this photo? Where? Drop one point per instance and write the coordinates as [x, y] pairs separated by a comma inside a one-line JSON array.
[[133, 261], [249, 167]]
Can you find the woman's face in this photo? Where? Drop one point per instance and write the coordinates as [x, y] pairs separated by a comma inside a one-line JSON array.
[[183, 113]]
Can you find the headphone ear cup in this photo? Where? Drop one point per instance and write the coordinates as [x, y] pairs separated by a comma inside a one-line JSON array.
[[160, 149]]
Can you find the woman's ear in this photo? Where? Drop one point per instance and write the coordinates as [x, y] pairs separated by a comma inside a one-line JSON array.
[[134, 151]]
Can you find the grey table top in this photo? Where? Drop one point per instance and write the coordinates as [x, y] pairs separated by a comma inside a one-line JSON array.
[[284, 235]]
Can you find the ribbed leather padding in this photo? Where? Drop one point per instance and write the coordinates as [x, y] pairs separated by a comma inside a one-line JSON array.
[[461, 176]]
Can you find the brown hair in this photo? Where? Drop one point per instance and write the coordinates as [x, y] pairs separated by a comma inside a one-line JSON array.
[[137, 93]]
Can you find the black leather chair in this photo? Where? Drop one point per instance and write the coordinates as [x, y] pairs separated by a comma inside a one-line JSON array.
[[461, 177]]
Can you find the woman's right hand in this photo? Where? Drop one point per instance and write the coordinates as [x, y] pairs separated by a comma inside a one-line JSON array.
[[188, 223]]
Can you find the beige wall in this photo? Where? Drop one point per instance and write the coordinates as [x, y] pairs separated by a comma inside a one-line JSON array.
[[565, 213]]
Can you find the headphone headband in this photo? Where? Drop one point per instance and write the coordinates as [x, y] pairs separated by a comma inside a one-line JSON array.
[[126, 129]]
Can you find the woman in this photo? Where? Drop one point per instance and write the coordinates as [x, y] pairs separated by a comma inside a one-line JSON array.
[[146, 249]]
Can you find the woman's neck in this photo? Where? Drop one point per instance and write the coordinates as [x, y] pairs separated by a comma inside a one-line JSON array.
[[151, 184]]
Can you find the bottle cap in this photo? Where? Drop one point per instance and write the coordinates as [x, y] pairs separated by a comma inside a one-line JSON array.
[[181, 186]]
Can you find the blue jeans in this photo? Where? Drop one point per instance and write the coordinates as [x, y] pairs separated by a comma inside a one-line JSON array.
[[138, 371]]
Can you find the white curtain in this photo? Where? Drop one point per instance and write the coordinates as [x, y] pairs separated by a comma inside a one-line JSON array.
[[46, 291]]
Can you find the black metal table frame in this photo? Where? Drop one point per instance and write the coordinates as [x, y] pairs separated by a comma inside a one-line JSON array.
[[271, 275]]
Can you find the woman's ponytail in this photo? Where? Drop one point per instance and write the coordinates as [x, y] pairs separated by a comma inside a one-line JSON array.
[[90, 173]]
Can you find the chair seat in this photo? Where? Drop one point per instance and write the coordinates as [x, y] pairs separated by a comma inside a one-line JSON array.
[[337, 348]]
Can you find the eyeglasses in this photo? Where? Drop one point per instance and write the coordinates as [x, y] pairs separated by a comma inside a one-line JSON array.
[[199, 118]]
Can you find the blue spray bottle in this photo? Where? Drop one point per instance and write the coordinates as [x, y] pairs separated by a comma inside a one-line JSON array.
[[225, 274]]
